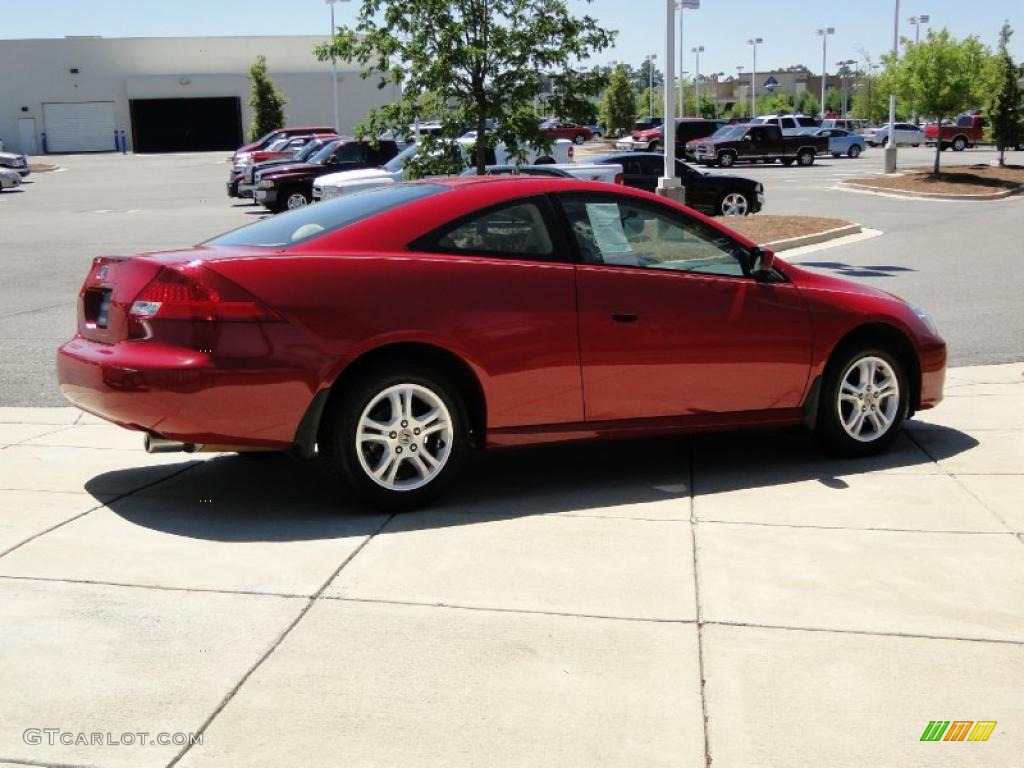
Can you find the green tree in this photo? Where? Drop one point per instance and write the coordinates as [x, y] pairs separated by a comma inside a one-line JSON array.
[[940, 77], [806, 104], [267, 104], [647, 71], [618, 108], [774, 103], [574, 95], [485, 57], [1005, 106], [834, 100]]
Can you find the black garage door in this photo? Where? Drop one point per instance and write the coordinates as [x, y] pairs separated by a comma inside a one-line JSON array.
[[186, 125]]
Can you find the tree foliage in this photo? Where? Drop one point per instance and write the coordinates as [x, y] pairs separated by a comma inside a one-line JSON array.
[[1005, 112], [573, 95], [647, 71], [266, 102], [806, 103], [485, 58], [618, 108], [940, 77]]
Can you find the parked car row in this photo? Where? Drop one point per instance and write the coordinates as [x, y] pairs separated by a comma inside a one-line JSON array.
[[331, 166], [13, 168]]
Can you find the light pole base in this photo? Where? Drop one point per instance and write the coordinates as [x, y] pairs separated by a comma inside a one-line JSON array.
[[671, 188], [890, 159]]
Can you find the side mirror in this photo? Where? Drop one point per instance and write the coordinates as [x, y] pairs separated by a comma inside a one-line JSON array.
[[762, 263], [747, 138]]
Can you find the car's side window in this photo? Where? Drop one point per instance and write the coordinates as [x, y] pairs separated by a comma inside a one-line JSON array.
[[517, 230], [652, 166], [623, 233]]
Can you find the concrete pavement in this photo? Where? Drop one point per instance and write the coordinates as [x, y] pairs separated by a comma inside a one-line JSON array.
[[562, 608]]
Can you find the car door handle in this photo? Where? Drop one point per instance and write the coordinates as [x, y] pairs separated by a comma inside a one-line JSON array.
[[624, 317]]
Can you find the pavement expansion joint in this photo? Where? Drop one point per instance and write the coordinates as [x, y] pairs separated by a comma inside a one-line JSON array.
[[280, 639], [863, 632], [699, 608]]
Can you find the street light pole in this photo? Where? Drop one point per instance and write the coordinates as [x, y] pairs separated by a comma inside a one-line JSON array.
[[698, 50], [917, 21], [669, 185], [890, 146], [334, 66], [650, 83], [754, 41], [823, 34], [679, 6]]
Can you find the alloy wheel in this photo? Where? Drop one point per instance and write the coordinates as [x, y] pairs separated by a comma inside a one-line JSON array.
[[404, 437], [296, 200], [868, 399], [735, 204]]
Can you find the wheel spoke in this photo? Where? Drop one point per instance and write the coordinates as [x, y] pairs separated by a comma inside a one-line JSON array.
[[396, 405], [388, 460], [367, 423], [420, 466], [407, 404]]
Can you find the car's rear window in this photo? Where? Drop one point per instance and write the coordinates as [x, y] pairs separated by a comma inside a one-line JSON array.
[[312, 221]]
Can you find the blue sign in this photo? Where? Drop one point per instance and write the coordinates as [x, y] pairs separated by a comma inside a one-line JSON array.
[[771, 83]]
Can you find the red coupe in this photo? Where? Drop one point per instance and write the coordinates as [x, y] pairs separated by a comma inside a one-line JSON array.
[[391, 330]]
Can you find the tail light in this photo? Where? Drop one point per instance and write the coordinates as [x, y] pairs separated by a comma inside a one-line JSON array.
[[572, 153], [620, 178], [196, 294]]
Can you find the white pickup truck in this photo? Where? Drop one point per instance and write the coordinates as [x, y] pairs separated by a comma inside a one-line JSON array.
[[610, 173], [335, 184]]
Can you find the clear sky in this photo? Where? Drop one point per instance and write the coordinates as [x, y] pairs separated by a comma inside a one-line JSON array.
[[721, 26]]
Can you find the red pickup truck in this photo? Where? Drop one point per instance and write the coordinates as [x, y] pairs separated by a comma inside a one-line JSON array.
[[968, 130]]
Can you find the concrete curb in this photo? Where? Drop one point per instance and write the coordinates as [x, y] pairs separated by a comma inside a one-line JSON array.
[[932, 195], [813, 238]]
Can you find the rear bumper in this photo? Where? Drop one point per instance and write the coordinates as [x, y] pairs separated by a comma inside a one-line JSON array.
[[183, 394]]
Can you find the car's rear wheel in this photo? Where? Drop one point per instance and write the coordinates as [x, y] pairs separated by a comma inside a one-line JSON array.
[[854, 151], [398, 437], [726, 159], [734, 204], [864, 400], [805, 157], [579, 138]]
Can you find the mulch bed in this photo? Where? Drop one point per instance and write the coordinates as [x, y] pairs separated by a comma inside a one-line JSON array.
[[770, 229], [41, 167], [962, 180]]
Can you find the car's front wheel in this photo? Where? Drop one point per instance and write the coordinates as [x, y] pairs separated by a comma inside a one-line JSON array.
[[734, 204], [398, 437], [864, 401], [854, 151], [579, 138]]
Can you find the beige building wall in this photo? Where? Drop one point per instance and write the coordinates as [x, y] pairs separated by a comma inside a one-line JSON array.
[[118, 69]]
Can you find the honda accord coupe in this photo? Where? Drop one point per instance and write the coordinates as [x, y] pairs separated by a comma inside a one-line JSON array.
[[388, 332]]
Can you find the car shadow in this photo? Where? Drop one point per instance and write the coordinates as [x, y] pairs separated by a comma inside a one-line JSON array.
[[273, 497]]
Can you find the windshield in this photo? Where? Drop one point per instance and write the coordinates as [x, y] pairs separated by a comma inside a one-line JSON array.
[[725, 130], [325, 152], [277, 144], [309, 150], [313, 221], [731, 132], [397, 163]]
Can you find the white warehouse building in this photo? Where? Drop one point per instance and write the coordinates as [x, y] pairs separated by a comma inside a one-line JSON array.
[[167, 94]]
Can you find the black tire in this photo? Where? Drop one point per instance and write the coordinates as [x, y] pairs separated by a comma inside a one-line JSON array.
[[805, 157], [284, 196], [579, 138], [959, 144], [854, 151], [727, 159], [829, 427], [915, 145], [342, 458]]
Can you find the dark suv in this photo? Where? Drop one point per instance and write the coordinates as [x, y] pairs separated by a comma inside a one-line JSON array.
[[288, 186]]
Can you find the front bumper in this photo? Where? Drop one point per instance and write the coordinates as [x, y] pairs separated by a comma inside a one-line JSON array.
[[932, 359], [265, 196], [182, 394], [245, 190]]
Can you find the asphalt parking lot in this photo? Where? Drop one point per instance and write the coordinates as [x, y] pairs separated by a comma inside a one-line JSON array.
[[960, 260], [731, 600]]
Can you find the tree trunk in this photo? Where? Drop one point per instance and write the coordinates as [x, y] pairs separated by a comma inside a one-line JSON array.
[[938, 145], [481, 139]]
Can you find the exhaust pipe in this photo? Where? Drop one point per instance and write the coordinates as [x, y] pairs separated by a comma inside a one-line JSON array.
[[163, 445]]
